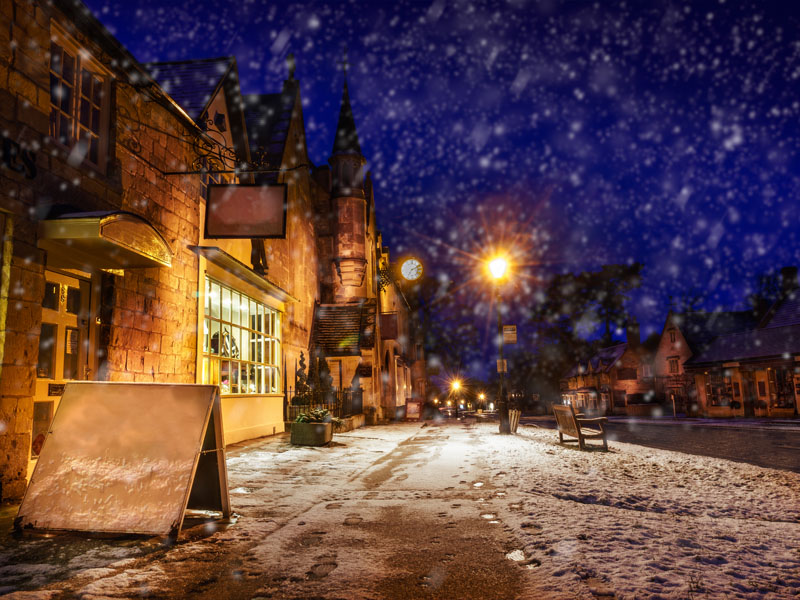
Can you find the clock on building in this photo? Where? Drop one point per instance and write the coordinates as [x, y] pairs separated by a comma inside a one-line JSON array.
[[411, 269]]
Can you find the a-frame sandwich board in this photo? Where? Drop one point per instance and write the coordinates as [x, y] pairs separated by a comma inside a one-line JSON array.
[[128, 458]]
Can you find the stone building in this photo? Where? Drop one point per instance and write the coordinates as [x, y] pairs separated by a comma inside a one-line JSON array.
[[755, 371], [617, 379], [111, 269], [685, 335]]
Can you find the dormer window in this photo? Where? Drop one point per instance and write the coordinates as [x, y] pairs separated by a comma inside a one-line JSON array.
[[79, 102]]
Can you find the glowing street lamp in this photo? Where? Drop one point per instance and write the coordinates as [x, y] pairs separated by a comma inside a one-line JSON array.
[[498, 269], [455, 386], [482, 398]]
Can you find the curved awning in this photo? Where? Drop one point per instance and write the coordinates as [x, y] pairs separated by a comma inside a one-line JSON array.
[[103, 240]]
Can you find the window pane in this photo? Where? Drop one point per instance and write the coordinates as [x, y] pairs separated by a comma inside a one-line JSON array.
[[224, 377], [244, 347], [226, 304], [243, 379], [234, 377], [47, 340], [71, 336], [244, 308], [206, 336], [96, 120], [73, 300], [236, 338], [214, 300], [56, 57], [97, 92], [94, 150], [68, 72], [214, 337], [66, 98], [64, 129], [51, 293], [235, 308], [86, 84]]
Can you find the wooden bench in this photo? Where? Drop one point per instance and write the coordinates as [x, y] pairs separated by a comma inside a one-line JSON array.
[[572, 424]]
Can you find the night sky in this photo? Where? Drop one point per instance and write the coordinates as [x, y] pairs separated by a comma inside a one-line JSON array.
[[582, 132]]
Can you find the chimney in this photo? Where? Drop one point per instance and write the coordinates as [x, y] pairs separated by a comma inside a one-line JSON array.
[[632, 333], [788, 280]]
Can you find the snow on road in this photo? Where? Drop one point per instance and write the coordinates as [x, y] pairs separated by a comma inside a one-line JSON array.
[[634, 522]]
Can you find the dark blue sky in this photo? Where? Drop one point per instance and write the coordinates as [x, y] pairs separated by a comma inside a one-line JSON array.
[[664, 132]]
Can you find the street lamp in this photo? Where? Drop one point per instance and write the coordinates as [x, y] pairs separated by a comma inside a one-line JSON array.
[[498, 269], [482, 398], [456, 385]]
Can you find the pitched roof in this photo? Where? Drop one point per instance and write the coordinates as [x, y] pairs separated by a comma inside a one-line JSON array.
[[700, 328], [753, 344], [346, 140], [191, 83], [267, 118], [602, 361], [787, 312], [345, 329]]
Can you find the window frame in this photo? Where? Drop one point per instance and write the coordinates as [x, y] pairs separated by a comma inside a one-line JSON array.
[[263, 340], [83, 61]]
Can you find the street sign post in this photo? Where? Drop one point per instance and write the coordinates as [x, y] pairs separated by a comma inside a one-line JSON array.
[[509, 334]]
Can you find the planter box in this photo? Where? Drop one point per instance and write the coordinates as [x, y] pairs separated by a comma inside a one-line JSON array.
[[311, 434]]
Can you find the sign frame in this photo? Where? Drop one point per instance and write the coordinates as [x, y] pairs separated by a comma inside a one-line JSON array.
[[213, 232], [99, 471]]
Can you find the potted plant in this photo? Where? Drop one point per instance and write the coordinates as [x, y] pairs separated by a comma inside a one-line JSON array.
[[313, 428]]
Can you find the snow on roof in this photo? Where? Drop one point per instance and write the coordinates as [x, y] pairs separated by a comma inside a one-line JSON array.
[[747, 345]]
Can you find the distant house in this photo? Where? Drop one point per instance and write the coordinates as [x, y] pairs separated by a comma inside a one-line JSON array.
[[618, 379], [683, 336], [756, 371]]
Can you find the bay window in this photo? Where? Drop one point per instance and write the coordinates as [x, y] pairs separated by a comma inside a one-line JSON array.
[[241, 342]]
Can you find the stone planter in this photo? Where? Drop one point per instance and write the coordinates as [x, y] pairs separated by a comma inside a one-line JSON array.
[[311, 434]]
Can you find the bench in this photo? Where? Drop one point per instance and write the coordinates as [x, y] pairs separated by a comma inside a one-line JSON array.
[[572, 424]]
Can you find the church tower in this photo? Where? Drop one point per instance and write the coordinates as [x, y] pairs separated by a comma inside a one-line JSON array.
[[349, 204]]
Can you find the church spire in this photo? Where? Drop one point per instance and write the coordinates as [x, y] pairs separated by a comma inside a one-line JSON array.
[[346, 141]]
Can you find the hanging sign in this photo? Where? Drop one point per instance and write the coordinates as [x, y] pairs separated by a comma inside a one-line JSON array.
[[246, 211], [509, 334], [502, 366]]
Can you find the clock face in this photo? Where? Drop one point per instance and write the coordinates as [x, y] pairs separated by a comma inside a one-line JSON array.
[[411, 269]]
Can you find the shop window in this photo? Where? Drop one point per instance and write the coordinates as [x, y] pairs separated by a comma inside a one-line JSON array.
[[79, 101], [46, 365], [719, 388], [241, 342], [781, 393]]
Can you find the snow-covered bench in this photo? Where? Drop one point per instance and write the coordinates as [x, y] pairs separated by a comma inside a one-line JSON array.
[[572, 424]]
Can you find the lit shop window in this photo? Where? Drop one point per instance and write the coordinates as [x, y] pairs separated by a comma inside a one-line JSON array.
[[241, 342]]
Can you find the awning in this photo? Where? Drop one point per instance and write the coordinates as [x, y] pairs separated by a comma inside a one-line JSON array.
[[103, 240], [224, 260]]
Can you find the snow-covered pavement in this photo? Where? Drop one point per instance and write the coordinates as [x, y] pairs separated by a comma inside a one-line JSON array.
[[452, 511]]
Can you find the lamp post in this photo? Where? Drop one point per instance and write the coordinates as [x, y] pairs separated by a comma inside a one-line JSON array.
[[456, 385], [498, 269], [482, 398]]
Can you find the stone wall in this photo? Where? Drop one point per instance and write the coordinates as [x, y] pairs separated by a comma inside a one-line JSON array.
[[151, 335]]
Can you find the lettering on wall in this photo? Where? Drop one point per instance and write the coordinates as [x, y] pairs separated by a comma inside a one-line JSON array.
[[18, 159]]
